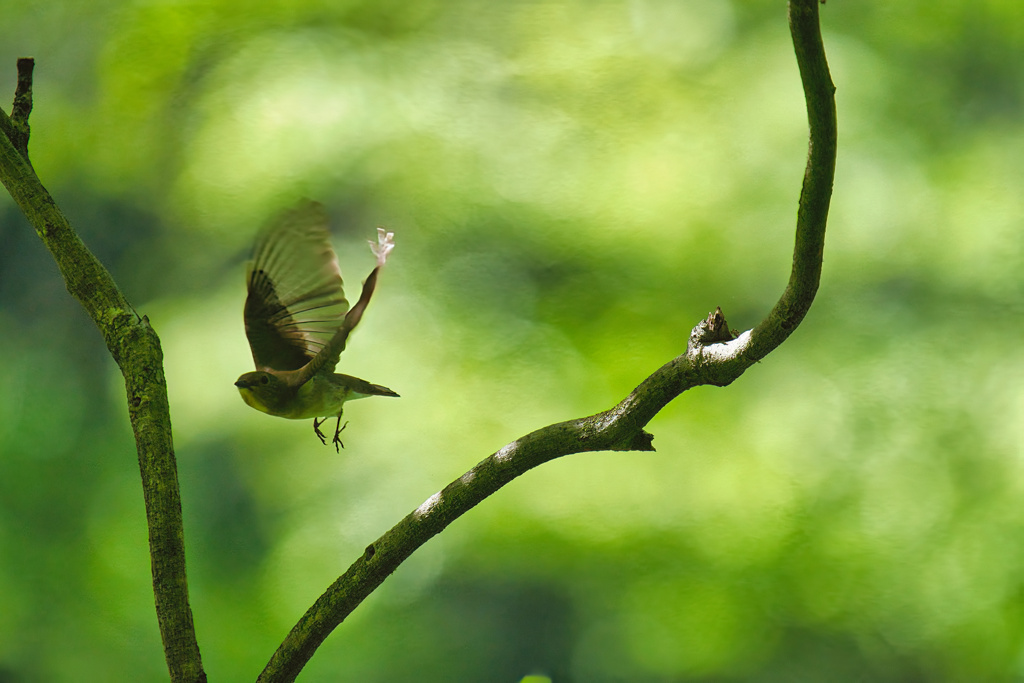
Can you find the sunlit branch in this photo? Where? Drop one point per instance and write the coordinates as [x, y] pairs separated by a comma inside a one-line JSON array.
[[712, 356]]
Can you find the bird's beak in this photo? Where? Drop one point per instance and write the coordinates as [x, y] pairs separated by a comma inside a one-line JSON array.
[[241, 384]]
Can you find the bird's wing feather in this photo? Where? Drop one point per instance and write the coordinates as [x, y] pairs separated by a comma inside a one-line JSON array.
[[296, 300], [328, 356]]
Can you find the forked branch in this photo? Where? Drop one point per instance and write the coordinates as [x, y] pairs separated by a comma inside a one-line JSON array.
[[712, 357]]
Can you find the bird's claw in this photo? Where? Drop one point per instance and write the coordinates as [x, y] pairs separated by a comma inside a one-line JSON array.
[[339, 428], [316, 428]]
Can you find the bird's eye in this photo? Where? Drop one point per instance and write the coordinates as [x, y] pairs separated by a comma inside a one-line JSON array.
[[264, 379]]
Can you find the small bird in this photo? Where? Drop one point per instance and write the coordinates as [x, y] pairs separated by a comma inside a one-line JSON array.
[[298, 320]]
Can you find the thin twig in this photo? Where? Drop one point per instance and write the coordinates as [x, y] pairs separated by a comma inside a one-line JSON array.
[[22, 106]]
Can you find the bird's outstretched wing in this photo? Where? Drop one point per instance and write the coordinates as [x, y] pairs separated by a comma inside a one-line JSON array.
[[296, 300]]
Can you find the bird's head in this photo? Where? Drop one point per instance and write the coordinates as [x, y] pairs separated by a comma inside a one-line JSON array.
[[264, 391]]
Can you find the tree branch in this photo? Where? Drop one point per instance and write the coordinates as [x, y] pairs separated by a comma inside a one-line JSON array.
[[819, 93], [136, 349], [712, 357]]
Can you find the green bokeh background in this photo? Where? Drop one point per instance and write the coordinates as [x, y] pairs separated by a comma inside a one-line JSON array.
[[573, 185]]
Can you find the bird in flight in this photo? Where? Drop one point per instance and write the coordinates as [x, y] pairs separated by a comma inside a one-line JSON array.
[[297, 320]]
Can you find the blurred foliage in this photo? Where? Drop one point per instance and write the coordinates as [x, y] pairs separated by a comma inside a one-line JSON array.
[[573, 185]]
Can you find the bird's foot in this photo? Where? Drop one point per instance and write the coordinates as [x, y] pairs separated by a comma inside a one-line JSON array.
[[316, 428], [338, 429]]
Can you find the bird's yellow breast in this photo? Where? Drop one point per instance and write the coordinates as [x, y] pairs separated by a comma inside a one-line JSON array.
[[252, 400]]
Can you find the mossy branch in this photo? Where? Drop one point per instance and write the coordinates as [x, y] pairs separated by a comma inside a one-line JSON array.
[[712, 356], [136, 349]]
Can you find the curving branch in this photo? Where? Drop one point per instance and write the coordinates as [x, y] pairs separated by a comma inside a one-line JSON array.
[[712, 356], [136, 349]]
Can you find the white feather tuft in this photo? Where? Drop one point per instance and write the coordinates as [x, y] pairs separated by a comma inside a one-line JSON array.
[[385, 243]]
